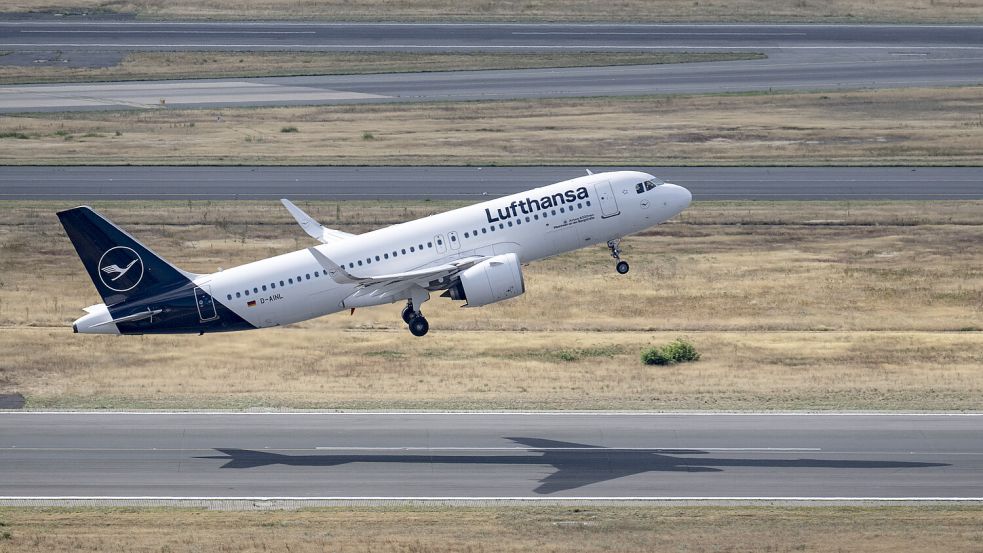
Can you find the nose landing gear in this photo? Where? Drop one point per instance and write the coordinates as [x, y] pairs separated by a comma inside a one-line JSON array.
[[622, 266]]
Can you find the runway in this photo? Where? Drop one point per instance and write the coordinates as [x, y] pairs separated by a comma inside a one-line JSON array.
[[87, 184], [491, 455], [42, 34], [800, 57]]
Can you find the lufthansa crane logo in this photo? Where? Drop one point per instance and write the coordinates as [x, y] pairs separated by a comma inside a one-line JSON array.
[[120, 269]]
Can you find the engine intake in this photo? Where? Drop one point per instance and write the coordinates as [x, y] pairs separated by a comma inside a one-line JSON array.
[[495, 279]]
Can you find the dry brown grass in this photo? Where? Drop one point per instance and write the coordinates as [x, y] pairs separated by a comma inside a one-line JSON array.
[[197, 65], [883, 127], [554, 529], [793, 305], [529, 10]]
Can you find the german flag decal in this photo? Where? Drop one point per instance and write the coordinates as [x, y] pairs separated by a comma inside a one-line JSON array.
[[251, 303]]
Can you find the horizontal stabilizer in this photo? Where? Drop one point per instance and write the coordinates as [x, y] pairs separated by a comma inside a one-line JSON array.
[[148, 314]]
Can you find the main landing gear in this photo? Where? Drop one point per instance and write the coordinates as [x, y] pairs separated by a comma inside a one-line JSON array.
[[622, 266], [415, 320]]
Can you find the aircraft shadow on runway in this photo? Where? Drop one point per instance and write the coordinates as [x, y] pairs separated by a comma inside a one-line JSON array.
[[576, 464]]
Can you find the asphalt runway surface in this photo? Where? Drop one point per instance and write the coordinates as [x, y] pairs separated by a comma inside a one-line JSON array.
[[800, 57], [474, 455], [85, 184]]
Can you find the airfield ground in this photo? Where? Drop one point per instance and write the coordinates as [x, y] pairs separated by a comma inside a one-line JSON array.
[[801, 11], [435, 530], [794, 305], [910, 126]]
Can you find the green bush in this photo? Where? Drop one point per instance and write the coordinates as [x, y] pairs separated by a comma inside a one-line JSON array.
[[677, 351], [655, 356], [289, 129]]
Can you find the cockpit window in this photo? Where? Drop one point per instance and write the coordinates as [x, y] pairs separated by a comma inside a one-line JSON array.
[[647, 185]]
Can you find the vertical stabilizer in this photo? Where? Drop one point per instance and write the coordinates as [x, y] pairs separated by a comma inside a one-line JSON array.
[[121, 267]]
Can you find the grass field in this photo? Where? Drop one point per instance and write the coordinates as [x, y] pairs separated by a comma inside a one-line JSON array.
[[552, 529], [814, 11], [198, 65], [811, 305], [931, 126]]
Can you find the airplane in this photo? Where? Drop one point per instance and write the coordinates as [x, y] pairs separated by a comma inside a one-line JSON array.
[[472, 254]]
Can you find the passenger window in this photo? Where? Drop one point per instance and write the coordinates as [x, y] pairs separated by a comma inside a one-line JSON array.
[[281, 284], [230, 296], [492, 228], [518, 221], [429, 245], [404, 250], [510, 223], [290, 280], [440, 242], [247, 292], [351, 265], [453, 238], [412, 249], [386, 256], [421, 246], [588, 203], [527, 219], [484, 231], [377, 258], [298, 278], [255, 290], [466, 235], [272, 286], [308, 275], [368, 260], [238, 295], [316, 274], [501, 225], [359, 262]]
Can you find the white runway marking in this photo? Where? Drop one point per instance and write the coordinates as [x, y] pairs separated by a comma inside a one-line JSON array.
[[197, 32], [598, 448]]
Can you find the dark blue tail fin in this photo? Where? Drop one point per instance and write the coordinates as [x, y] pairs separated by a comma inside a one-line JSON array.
[[121, 267]]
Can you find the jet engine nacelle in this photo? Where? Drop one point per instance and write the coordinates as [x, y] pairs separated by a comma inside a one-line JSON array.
[[495, 279]]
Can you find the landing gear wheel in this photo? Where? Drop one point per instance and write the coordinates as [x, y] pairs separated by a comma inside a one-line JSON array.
[[419, 325], [408, 313], [622, 266]]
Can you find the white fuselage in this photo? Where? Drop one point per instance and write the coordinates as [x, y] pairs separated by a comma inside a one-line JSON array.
[[294, 287]]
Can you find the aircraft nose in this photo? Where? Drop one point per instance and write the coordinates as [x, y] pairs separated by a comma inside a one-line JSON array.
[[681, 196]]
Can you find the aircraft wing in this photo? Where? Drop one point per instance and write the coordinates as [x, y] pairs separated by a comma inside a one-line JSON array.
[[312, 227], [419, 276]]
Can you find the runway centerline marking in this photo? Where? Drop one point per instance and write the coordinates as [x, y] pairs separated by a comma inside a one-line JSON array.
[[536, 449], [72, 32], [613, 33]]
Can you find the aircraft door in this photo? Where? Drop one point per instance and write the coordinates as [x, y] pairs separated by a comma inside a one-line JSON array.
[[454, 242], [438, 242], [205, 303], [605, 197]]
